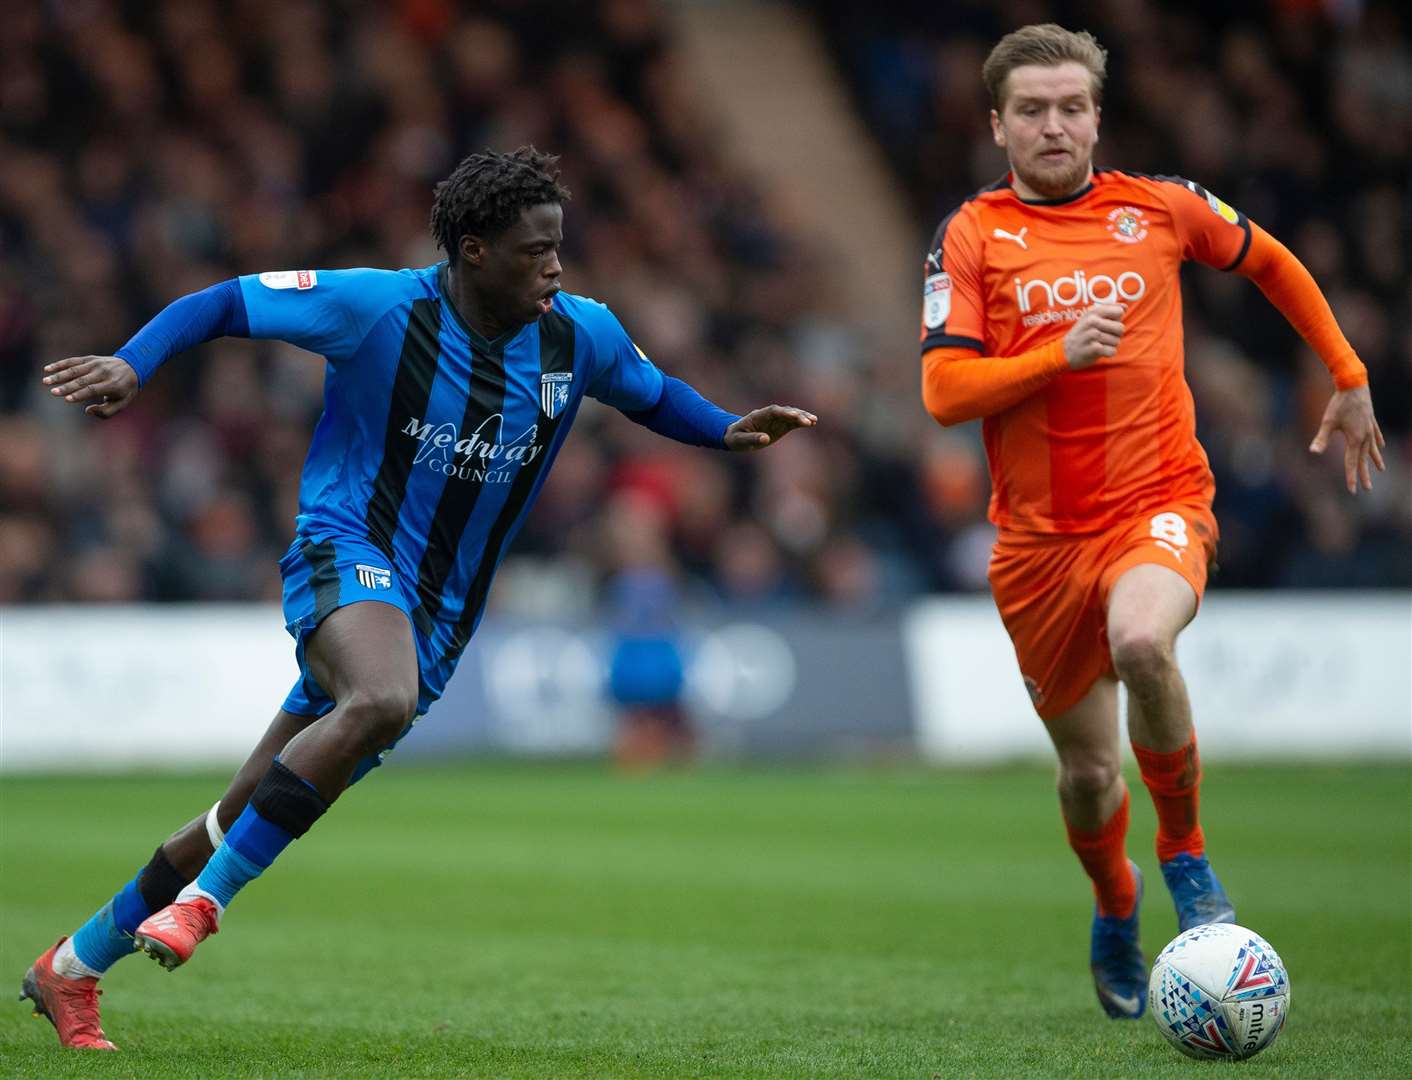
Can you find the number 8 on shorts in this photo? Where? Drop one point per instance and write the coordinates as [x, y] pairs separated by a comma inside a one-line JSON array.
[[1171, 528]]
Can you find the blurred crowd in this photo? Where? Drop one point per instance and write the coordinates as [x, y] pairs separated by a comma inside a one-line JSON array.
[[150, 149]]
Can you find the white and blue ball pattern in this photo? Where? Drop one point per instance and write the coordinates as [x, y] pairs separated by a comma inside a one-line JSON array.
[[1219, 991]]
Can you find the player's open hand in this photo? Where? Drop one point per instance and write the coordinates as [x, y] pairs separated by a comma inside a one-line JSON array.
[[765, 427], [1351, 412], [107, 383], [1094, 336]]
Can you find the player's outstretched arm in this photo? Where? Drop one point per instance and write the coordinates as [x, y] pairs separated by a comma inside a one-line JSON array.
[[1292, 289], [765, 427], [106, 385], [103, 385], [1351, 412], [684, 415]]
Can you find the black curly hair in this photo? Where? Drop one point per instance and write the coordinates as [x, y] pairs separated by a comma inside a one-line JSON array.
[[487, 192]]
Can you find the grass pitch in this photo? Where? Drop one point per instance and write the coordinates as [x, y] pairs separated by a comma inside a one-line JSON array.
[[565, 921]]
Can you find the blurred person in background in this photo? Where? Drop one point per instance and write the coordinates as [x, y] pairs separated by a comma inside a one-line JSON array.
[[646, 664], [1052, 309], [448, 394]]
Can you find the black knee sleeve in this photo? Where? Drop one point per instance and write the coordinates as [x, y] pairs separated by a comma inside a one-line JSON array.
[[283, 799], [160, 881]]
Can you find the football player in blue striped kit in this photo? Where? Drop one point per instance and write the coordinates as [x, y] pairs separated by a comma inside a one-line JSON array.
[[449, 391]]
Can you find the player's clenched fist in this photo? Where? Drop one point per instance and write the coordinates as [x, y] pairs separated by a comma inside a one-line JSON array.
[[1095, 335], [108, 383]]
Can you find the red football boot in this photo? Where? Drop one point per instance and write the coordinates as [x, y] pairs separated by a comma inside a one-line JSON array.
[[71, 1005], [171, 935]]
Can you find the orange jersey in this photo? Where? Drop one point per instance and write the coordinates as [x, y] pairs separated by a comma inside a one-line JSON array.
[[1080, 451]]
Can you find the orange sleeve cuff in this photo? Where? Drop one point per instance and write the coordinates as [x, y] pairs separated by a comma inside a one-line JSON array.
[[1292, 289], [958, 386]]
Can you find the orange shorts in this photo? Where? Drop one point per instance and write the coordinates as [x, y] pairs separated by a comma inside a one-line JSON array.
[[1052, 592]]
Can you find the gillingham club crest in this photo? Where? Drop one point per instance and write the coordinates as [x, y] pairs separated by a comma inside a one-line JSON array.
[[374, 577], [554, 392]]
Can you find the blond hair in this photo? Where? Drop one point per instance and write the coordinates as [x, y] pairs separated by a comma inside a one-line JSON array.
[[1045, 45]]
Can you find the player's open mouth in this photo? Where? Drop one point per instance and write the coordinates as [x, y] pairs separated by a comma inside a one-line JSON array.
[[546, 302], [1054, 155]]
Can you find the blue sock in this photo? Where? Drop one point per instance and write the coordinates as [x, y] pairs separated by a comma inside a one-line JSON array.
[[282, 808], [107, 937], [250, 846]]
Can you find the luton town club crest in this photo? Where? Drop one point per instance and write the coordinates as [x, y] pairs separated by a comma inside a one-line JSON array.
[[554, 392], [1128, 225]]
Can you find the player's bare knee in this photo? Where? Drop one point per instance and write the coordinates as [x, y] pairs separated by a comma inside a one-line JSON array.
[[373, 718], [1142, 657], [1088, 776]]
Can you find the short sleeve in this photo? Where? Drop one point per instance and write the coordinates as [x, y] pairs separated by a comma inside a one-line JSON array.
[[953, 311], [622, 376], [325, 311], [1211, 231]]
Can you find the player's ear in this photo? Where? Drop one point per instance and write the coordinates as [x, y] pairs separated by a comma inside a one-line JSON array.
[[996, 130], [472, 249]]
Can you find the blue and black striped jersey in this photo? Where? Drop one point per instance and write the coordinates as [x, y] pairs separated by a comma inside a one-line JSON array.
[[434, 442]]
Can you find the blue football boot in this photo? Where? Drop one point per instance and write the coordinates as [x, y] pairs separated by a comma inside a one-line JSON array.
[[1115, 957], [1196, 892]]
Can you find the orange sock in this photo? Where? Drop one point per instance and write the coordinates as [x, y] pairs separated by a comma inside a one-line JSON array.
[[1105, 860], [1174, 780]]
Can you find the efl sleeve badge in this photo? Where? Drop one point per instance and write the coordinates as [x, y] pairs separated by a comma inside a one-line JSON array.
[[936, 300]]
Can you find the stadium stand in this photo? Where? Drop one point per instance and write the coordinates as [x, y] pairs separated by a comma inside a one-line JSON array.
[[148, 150]]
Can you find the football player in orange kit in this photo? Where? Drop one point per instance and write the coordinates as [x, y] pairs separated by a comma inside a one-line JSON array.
[[1052, 308]]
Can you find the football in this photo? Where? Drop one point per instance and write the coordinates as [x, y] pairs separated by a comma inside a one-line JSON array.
[[1219, 991]]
